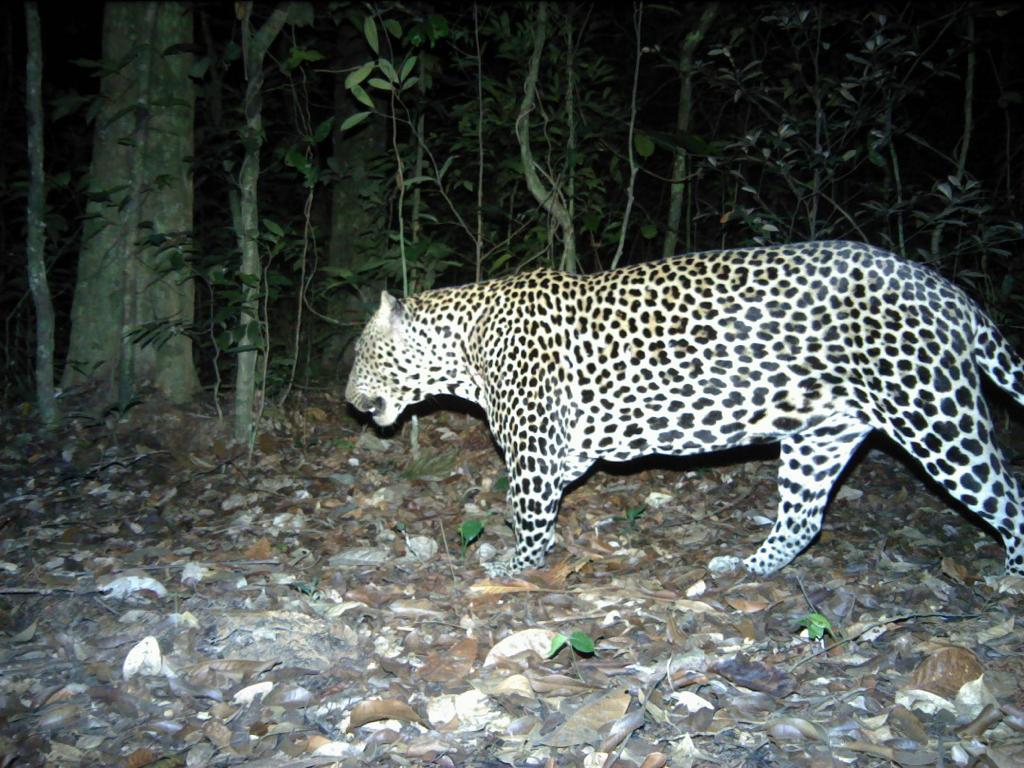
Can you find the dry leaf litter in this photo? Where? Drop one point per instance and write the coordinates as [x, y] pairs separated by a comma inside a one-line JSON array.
[[165, 602]]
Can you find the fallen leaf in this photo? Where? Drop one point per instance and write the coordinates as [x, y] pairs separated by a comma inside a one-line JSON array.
[[944, 671], [1008, 583], [26, 634], [1002, 629], [756, 676], [420, 548], [513, 684], [315, 741], [692, 701], [259, 550], [59, 716], [143, 659], [621, 728], [140, 757], [470, 710], [217, 672], [489, 587], [695, 606], [382, 709], [654, 760], [744, 605], [955, 570], [557, 685], [921, 757], [65, 692], [218, 733], [416, 609], [126, 584], [989, 716], [361, 557], [795, 728], [696, 589], [337, 749], [907, 723], [246, 695], [536, 639], [924, 701], [583, 725], [451, 665], [193, 573], [972, 698]]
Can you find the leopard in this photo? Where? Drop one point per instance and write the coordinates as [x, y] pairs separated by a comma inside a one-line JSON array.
[[812, 346]]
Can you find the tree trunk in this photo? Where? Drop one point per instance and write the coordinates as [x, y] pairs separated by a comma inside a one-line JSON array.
[[36, 241], [247, 223], [168, 209], [680, 164], [131, 280]]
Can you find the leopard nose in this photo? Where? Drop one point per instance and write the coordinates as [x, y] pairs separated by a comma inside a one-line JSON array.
[[376, 405]]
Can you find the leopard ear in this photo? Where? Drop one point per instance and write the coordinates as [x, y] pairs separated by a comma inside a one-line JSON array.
[[391, 313]]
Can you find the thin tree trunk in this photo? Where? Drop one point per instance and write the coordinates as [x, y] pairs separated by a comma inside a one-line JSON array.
[[254, 49], [549, 199], [683, 114], [965, 142], [415, 219], [638, 15], [36, 240]]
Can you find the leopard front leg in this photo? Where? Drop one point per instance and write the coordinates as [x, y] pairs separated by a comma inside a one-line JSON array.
[[534, 492]]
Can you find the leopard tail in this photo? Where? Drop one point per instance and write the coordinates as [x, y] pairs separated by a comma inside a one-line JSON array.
[[1000, 362]]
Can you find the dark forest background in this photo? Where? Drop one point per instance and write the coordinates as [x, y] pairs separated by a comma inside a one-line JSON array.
[[227, 187]]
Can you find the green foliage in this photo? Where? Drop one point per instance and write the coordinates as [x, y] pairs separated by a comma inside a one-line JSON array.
[[370, 32], [579, 641], [817, 626], [643, 144], [633, 514], [431, 31], [469, 530], [309, 589], [299, 55]]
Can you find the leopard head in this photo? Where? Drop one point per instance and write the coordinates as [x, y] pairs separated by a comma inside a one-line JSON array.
[[385, 376]]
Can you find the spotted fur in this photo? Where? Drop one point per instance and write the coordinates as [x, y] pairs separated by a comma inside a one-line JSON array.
[[811, 345]]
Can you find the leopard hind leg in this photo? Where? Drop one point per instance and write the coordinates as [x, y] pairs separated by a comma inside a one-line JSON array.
[[811, 462], [955, 445]]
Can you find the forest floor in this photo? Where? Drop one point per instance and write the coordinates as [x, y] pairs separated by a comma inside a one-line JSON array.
[[165, 602]]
